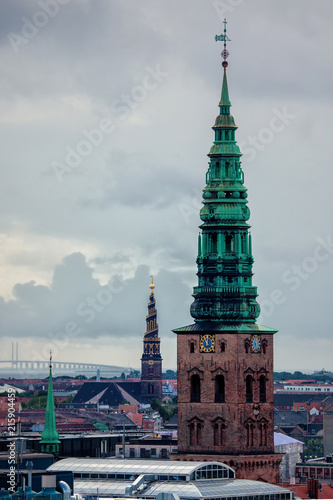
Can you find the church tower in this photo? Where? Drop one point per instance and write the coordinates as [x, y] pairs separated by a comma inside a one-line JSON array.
[[151, 361], [225, 359], [50, 437]]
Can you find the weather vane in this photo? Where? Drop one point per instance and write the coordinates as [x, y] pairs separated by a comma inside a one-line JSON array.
[[224, 38], [50, 359]]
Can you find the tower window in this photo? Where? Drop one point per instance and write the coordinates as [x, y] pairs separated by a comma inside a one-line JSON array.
[[151, 389], [222, 346], [191, 347], [195, 389], [263, 434], [243, 243], [228, 243], [227, 169], [264, 346], [195, 429], [219, 389], [219, 427], [249, 389], [262, 388], [213, 241], [192, 434], [249, 433]]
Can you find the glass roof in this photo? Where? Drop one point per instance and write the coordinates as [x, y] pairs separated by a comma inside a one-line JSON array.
[[194, 490], [114, 466], [234, 487]]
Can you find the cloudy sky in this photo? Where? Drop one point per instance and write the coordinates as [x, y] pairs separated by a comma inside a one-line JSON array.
[[106, 115]]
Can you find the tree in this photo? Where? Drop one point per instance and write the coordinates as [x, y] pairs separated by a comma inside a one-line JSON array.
[[155, 404], [169, 374], [165, 411], [69, 399]]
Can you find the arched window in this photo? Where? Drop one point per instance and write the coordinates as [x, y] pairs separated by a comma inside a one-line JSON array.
[[249, 389], [264, 346], [219, 428], [222, 346], [199, 433], [195, 389], [191, 347], [213, 243], [192, 434], [227, 169], [249, 433], [263, 434], [151, 389], [262, 388], [219, 389], [195, 428], [243, 243], [228, 243]]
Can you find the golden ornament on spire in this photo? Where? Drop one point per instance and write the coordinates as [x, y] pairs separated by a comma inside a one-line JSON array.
[[151, 286]]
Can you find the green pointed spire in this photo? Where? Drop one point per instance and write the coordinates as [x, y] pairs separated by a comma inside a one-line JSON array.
[[50, 437], [225, 101], [225, 293]]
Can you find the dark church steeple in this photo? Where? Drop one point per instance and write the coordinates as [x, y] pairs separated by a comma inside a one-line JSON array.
[[151, 361]]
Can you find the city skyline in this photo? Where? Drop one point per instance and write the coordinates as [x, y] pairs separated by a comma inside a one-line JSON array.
[[106, 122]]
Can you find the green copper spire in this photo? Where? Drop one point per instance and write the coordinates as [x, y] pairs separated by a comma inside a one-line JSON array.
[[225, 292], [225, 101], [50, 437]]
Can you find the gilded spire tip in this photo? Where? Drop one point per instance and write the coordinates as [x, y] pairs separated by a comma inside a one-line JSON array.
[[152, 286]]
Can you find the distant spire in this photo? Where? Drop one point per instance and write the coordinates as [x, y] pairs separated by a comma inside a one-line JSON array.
[[50, 437]]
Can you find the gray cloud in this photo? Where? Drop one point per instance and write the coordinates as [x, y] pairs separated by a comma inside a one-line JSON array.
[[134, 200]]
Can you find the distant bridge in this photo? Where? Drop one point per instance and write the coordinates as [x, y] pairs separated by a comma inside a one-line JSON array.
[[24, 368]]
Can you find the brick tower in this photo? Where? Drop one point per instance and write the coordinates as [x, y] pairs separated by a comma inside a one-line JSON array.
[[225, 359], [151, 361]]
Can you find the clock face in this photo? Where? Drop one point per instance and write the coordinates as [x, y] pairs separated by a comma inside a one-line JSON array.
[[207, 343], [255, 343]]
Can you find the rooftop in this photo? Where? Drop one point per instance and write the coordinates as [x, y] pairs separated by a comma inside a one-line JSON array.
[[137, 467]]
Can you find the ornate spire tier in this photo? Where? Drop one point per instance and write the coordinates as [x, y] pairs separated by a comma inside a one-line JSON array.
[[225, 291]]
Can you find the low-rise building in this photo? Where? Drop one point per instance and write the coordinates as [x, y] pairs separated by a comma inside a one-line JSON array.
[[114, 478], [150, 446]]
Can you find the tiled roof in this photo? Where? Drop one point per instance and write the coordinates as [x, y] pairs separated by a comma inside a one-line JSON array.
[[286, 418]]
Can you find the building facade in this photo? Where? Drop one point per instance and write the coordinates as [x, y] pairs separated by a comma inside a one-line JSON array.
[[225, 359], [151, 361]]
